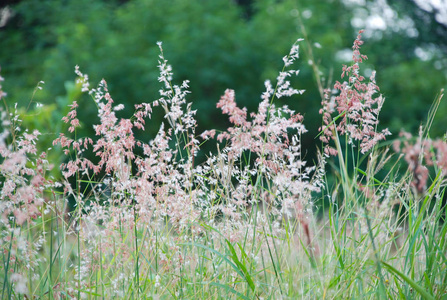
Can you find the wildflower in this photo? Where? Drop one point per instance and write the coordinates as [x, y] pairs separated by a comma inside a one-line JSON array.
[[19, 283], [83, 80], [357, 107], [272, 135], [157, 281], [419, 155]]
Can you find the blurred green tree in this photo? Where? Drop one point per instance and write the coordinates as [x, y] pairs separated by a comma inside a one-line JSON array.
[[216, 45]]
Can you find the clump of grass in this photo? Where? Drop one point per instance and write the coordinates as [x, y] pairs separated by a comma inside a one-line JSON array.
[[149, 222]]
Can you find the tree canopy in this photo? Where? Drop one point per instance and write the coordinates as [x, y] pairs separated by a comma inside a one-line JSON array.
[[223, 44]]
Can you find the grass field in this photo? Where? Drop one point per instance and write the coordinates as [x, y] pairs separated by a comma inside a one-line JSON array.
[[253, 221]]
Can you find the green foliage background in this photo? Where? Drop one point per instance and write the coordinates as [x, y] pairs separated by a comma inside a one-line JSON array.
[[216, 45]]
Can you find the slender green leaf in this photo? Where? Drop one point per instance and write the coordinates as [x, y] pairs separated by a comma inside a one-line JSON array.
[[230, 289], [241, 266], [417, 287]]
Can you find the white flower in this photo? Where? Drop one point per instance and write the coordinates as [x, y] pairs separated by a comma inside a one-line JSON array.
[[157, 281]]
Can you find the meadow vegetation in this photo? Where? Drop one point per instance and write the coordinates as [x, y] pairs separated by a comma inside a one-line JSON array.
[[254, 220]]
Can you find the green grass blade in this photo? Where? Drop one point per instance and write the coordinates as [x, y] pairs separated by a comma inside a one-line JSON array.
[[238, 271], [230, 289], [417, 287], [241, 266]]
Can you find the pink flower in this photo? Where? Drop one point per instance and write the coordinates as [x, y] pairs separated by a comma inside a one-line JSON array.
[[357, 107], [422, 153]]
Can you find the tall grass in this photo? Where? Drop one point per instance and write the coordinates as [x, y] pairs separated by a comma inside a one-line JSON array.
[[254, 221]]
